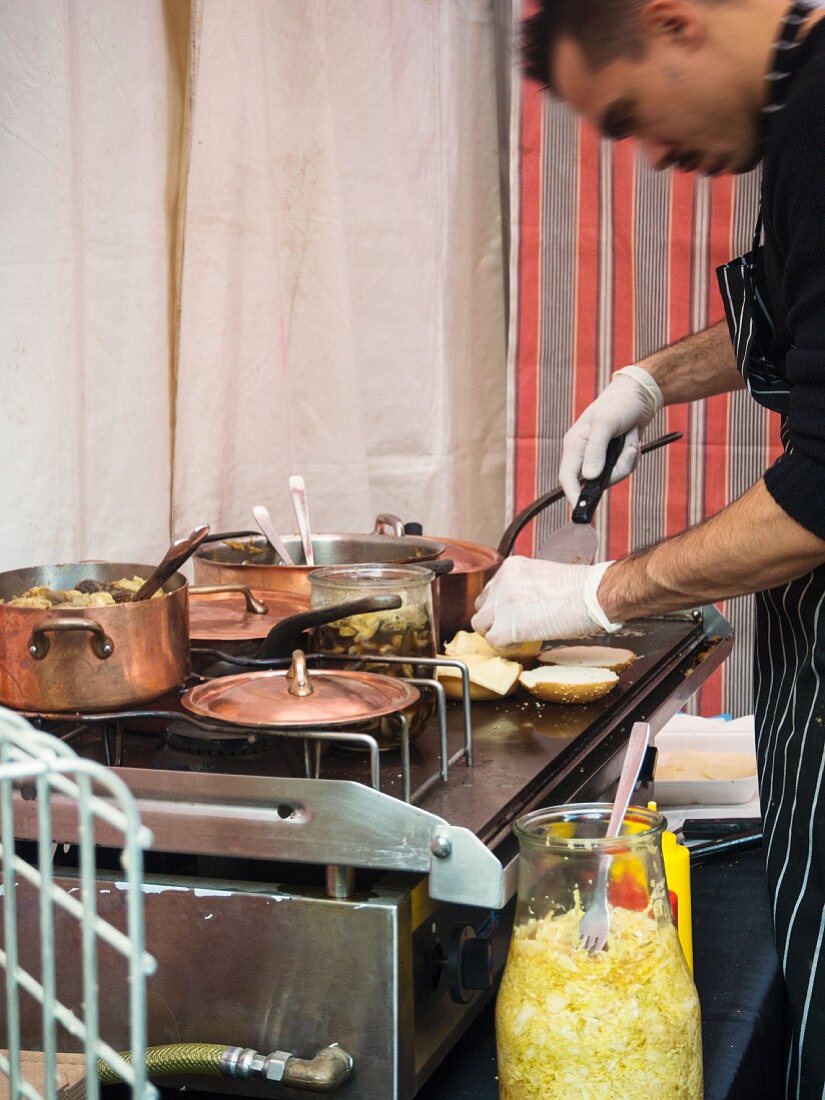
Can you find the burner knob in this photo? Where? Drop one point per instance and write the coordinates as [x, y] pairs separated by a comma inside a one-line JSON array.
[[469, 963]]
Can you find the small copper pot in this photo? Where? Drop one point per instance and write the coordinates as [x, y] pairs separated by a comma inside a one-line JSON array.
[[90, 658]]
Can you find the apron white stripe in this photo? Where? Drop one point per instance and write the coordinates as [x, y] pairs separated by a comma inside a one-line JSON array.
[[808, 994], [808, 860], [775, 694], [808, 651]]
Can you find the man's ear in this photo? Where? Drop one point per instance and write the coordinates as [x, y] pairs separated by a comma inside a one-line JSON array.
[[673, 22]]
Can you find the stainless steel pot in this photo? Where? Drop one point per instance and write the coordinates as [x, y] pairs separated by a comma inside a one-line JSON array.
[[90, 658], [248, 559]]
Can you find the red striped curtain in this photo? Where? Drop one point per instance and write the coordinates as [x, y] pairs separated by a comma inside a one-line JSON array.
[[611, 261]]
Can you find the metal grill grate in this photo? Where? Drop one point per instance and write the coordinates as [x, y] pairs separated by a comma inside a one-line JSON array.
[[42, 764]]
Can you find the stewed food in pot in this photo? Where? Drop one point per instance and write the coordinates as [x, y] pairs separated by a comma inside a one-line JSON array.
[[86, 593]]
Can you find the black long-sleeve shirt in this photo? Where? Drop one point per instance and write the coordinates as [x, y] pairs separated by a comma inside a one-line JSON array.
[[793, 277]]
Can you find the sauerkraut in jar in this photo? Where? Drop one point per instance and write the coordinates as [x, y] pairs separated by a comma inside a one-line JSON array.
[[616, 1024]]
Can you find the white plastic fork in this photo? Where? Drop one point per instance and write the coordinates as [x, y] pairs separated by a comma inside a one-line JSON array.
[[595, 924]]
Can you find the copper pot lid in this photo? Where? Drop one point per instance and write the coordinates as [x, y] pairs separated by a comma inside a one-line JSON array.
[[467, 557], [298, 699], [225, 613]]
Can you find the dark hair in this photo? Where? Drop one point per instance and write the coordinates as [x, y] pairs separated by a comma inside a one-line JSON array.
[[603, 29]]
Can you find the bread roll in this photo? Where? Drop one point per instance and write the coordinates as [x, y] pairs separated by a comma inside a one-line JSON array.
[[519, 651], [562, 684], [468, 641], [589, 656], [454, 689]]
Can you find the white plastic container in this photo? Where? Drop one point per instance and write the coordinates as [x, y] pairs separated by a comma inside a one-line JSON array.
[[717, 742]]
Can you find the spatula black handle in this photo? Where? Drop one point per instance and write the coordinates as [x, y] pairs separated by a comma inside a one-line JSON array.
[[592, 489]]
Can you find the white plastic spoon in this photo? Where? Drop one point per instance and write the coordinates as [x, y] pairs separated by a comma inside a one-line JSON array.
[[264, 521], [299, 503]]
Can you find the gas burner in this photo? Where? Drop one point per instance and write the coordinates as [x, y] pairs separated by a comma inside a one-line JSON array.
[[231, 742]]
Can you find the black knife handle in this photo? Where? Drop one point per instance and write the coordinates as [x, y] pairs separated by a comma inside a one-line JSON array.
[[536, 507], [592, 489]]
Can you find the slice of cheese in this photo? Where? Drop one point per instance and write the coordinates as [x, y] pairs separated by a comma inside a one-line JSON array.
[[468, 642], [492, 674]]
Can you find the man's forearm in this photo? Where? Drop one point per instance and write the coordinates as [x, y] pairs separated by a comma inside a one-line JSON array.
[[698, 366], [749, 546]]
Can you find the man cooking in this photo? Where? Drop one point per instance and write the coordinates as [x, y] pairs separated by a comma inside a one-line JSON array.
[[717, 86]]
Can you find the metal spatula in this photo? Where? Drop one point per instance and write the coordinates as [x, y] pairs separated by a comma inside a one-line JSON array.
[[578, 541]]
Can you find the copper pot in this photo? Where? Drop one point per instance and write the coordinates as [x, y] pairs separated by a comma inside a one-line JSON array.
[[249, 560], [90, 658], [473, 566]]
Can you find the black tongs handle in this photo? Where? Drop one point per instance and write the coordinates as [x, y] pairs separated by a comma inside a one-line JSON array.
[[593, 488]]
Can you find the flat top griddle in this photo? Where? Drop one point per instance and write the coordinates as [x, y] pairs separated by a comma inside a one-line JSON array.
[[522, 746]]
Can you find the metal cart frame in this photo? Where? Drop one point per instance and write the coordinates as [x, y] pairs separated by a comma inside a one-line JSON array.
[[38, 765]]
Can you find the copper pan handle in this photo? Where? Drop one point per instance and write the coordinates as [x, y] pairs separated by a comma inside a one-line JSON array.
[[509, 537], [252, 604], [39, 644]]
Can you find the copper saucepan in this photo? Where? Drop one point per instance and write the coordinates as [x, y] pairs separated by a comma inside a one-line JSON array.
[[246, 558], [90, 658]]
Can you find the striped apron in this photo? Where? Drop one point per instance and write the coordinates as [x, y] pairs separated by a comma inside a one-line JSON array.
[[789, 675]]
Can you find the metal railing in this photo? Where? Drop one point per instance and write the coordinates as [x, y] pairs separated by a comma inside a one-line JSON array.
[[41, 765]]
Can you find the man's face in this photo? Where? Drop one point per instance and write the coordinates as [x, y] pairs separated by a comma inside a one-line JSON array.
[[684, 105]]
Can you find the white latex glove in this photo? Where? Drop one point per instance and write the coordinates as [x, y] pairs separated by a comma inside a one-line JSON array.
[[529, 600], [628, 405]]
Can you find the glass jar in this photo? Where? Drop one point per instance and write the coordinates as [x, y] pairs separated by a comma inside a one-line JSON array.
[[407, 631], [617, 1024]]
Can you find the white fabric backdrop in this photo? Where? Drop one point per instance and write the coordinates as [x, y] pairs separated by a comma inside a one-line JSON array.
[[242, 239], [89, 121]]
